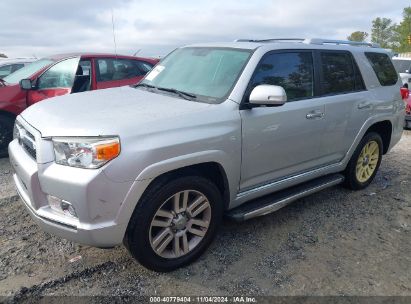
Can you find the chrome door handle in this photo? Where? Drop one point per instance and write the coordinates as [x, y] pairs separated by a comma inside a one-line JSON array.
[[314, 115], [364, 105]]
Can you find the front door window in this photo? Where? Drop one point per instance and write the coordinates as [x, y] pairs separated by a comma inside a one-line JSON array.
[[61, 75]]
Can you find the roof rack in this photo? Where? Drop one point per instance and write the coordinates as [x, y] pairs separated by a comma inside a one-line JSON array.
[[313, 41], [271, 40], [339, 42]]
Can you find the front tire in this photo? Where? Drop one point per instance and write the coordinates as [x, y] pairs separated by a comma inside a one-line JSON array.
[[174, 222], [364, 163], [6, 134]]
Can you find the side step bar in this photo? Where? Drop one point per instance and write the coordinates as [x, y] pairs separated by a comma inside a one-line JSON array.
[[273, 202]]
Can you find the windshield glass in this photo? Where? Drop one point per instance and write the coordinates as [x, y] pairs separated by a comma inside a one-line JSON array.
[[27, 71], [402, 65], [208, 73]]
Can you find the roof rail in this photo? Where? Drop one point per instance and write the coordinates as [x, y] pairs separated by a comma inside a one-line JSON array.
[[270, 40], [338, 42], [313, 41]]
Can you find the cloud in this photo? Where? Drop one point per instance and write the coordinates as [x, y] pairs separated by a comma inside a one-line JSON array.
[[46, 27]]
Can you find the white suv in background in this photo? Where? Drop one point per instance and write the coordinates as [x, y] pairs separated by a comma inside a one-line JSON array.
[[403, 67], [10, 65]]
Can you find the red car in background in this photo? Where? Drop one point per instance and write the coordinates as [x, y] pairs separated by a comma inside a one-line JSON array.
[[407, 123], [405, 94], [63, 74]]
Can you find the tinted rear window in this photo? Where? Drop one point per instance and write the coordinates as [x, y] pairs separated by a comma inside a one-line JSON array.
[[339, 73], [383, 68]]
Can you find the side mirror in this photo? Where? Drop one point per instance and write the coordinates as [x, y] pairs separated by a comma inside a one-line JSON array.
[[269, 95], [26, 84]]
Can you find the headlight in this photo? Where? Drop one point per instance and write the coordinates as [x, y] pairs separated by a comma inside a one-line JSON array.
[[16, 130], [82, 152]]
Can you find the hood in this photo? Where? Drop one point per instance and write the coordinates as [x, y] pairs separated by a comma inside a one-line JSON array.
[[116, 111]]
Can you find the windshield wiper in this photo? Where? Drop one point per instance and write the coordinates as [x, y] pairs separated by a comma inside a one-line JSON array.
[[182, 94], [145, 85], [2, 82]]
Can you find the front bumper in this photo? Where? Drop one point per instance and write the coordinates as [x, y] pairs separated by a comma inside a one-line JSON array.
[[97, 199]]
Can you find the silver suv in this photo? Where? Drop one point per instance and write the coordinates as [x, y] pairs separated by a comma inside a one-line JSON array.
[[238, 129]]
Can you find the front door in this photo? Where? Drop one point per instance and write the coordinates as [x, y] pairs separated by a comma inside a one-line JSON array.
[[57, 80], [285, 140]]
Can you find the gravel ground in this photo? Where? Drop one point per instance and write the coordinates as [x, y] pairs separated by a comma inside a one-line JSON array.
[[335, 242]]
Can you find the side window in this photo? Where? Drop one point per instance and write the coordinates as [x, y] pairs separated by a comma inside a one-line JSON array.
[[291, 70], [118, 69], [359, 82], [82, 81], [84, 68], [338, 73], [5, 70], [143, 66], [16, 67], [383, 68], [60, 75]]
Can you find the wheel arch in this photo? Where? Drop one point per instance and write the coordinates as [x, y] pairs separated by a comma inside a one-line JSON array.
[[384, 129], [211, 170]]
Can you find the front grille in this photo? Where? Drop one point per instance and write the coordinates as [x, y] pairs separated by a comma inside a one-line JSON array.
[[27, 141], [32, 152]]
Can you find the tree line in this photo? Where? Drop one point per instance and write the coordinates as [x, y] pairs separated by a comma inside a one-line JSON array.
[[388, 34]]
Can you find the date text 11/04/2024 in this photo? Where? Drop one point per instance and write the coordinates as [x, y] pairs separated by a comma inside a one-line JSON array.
[[203, 299]]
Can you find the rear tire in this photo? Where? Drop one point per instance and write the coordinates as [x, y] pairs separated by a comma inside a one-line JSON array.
[[364, 163], [163, 237], [6, 134]]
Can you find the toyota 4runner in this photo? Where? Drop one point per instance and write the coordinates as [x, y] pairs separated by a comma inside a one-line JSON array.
[[238, 129]]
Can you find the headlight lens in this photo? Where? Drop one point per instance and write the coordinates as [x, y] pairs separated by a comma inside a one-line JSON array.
[[16, 130], [89, 153]]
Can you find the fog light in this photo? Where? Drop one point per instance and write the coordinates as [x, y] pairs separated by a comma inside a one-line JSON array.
[[67, 207], [61, 206]]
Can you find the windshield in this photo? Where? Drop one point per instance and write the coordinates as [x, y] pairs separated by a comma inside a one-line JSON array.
[[402, 65], [207, 73], [27, 71]]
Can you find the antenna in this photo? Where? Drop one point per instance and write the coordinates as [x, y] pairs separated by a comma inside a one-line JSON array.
[[138, 51], [114, 34]]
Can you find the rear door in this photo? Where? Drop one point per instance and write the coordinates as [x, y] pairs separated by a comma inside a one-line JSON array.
[[285, 140], [347, 104], [57, 80], [116, 72]]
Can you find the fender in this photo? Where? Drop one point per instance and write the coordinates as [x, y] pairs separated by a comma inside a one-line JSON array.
[[231, 171], [367, 124], [144, 179]]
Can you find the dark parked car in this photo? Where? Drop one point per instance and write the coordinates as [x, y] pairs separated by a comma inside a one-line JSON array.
[[63, 74]]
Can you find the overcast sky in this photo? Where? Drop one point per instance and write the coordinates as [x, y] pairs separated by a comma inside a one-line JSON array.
[[45, 27]]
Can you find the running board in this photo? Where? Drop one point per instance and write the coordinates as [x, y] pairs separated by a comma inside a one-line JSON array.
[[273, 202]]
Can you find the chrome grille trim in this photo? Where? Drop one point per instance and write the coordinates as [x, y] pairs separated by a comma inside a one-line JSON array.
[[27, 141]]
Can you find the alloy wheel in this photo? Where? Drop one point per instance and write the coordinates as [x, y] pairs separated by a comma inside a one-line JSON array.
[[367, 161], [180, 224]]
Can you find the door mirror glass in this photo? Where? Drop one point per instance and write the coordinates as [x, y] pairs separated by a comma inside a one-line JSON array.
[[26, 84], [270, 95]]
